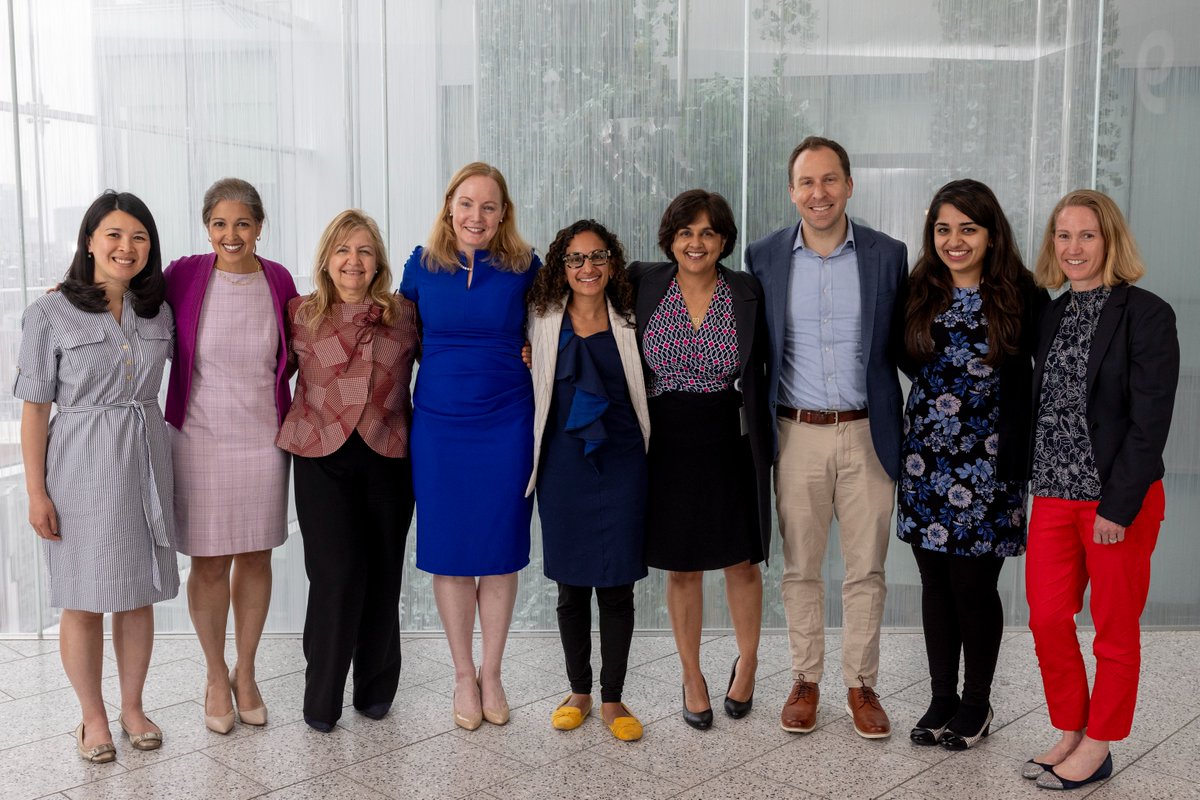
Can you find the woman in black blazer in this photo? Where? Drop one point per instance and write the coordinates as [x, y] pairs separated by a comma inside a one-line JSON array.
[[702, 333], [1104, 383]]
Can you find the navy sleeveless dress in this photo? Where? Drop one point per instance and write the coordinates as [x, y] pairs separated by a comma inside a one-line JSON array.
[[591, 489]]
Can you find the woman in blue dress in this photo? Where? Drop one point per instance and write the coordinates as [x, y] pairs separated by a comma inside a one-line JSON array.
[[591, 430], [472, 448], [969, 340]]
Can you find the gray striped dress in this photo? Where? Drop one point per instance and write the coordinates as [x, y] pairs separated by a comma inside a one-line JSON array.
[[108, 460]]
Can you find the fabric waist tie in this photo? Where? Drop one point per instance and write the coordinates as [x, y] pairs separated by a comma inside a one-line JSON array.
[[151, 502]]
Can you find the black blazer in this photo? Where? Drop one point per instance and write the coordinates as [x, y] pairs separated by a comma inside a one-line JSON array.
[[1132, 372], [1015, 378], [650, 282]]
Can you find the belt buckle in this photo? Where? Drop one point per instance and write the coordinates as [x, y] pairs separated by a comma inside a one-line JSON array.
[[835, 416]]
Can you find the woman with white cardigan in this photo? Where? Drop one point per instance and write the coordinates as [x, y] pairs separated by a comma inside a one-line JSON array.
[[591, 430]]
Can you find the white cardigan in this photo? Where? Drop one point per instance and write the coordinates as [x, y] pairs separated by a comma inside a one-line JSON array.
[[543, 339]]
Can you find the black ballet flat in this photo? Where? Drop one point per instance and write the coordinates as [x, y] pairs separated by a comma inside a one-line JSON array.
[[700, 720], [1051, 779], [737, 708]]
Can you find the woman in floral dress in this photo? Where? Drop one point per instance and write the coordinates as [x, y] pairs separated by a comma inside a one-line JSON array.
[[968, 346]]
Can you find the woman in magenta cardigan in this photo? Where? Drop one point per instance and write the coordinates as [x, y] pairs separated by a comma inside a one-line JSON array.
[[227, 396]]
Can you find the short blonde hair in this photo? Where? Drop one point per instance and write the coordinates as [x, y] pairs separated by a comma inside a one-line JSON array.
[[509, 251], [1122, 262], [320, 303]]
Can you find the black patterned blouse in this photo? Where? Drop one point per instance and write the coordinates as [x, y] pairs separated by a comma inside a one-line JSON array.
[[1063, 463], [684, 359]]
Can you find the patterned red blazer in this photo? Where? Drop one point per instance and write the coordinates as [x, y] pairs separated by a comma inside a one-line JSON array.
[[354, 374]]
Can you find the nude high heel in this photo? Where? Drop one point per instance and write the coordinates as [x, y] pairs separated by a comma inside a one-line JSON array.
[[250, 716], [220, 723]]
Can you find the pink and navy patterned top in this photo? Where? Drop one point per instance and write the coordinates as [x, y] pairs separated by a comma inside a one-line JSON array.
[[684, 359]]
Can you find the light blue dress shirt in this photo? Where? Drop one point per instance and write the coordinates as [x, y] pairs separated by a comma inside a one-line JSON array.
[[822, 340]]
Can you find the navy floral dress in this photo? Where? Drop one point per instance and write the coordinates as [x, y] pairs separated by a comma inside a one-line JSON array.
[[950, 499]]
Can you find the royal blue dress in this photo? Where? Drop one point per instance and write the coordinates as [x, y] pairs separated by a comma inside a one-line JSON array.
[[472, 428], [591, 488]]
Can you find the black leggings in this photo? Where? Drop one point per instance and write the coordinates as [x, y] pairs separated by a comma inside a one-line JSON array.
[[961, 611], [616, 634]]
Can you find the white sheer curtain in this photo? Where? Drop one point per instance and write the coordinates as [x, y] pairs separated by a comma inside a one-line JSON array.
[[592, 108]]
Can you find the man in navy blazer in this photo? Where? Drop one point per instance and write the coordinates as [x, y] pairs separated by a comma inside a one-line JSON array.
[[831, 289]]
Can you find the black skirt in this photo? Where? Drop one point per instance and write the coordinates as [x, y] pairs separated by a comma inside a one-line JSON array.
[[701, 511]]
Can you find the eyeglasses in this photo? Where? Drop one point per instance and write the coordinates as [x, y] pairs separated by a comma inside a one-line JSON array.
[[598, 258]]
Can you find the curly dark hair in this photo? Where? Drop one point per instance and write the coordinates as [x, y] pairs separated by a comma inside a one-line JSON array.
[[550, 285], [930, 287], [148, 286]]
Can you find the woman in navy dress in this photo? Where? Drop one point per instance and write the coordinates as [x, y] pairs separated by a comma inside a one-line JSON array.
[[472, 418], [969, 340], [591, 429]]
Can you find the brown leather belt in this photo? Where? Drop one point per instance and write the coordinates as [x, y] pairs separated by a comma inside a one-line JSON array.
[[819, 417]]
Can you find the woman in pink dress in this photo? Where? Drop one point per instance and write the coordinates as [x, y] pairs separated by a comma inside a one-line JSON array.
[[227, 395]]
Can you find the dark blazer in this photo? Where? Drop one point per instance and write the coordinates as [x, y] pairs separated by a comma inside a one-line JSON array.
[[650, 282], [1132, 372], [1015, 378], [882, 273]]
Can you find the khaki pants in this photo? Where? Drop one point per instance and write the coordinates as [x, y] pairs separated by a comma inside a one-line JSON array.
[[823, 471]]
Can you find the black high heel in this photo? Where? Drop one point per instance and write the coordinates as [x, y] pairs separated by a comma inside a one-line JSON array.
[[935, 721], [737, 708], [953, 740], [700, 720]]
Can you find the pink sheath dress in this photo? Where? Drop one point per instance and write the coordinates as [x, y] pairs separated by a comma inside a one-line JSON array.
[[230, 478]]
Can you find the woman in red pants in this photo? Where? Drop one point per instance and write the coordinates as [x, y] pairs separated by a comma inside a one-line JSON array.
[[1105, 377]]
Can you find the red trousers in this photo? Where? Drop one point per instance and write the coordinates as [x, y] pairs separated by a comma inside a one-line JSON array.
[[1060, 561]]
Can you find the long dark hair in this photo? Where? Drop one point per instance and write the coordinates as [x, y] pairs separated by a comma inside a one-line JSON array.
[[1000, 287], [550, 284], [148, 286]]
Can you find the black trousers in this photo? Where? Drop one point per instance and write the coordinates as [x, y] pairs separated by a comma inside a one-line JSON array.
[[961, 612], [354, 507], [616, 634]]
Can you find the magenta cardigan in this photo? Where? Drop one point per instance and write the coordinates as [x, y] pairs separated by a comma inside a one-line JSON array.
[[187, 281]]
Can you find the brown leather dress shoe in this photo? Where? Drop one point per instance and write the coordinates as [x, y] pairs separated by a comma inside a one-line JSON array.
[[870, 720], [800, 711]]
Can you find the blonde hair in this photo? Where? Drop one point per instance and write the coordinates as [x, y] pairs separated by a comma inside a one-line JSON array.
[[1122, 262], [509, 251], [320, 303]]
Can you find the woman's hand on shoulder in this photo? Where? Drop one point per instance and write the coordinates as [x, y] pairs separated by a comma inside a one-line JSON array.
[[44, 517], [527, 355]]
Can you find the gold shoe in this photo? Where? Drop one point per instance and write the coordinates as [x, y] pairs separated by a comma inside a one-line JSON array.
[[496, 716], [469, 723], [627, 727], [250, 716], [222, 723], [150, 740], [568, 718], [100, 754]]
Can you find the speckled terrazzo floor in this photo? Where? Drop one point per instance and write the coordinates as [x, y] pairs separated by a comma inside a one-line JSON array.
[[417, 752]]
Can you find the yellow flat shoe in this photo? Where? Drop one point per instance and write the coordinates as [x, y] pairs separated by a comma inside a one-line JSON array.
[[568, 718], [100, 754], [627, 728], [150, 740]]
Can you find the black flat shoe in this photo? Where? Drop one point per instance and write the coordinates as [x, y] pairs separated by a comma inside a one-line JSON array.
[[952, 739], [737, 708], [931, 726], [1051, 780], [1031, 769], [318, 724], [700, 720]]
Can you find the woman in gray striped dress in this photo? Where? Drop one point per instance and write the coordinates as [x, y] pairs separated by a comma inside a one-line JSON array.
[[99, 473]]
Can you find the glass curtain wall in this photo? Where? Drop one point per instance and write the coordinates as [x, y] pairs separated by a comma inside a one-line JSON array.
[[592, 108]]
